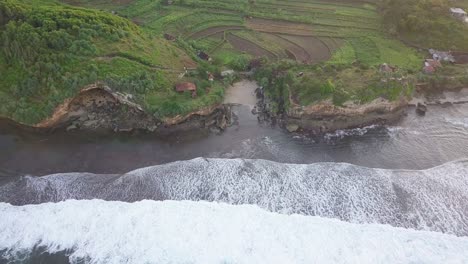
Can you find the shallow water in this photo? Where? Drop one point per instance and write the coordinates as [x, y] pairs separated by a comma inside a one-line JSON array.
[[413, 143]]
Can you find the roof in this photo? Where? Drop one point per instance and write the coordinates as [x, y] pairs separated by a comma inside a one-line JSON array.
[[429, 69], [384, 67], [186, 86], [432, 63], [457, 10], [204, 56]]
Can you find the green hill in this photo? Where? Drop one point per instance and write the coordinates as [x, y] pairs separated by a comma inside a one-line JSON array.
[[50, 50]]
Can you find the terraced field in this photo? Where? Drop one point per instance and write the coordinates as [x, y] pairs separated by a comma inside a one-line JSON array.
[[308, 31]]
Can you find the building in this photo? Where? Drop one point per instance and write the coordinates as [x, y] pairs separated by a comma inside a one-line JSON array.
[[442, 55], [202, 55], [387, 68], [169, 37], [186, 86], [459, 13], [210, 77], [430, 66]]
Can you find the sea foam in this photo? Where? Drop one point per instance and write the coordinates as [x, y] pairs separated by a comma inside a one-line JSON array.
[[200, 232], [431, 200]]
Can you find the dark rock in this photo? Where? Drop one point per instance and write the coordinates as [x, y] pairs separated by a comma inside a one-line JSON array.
[[421, 109]]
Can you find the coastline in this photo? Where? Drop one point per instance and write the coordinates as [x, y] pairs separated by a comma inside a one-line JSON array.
[[324, 117], [98, 109]]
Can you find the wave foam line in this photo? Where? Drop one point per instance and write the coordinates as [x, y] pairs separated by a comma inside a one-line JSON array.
[[202, 232]]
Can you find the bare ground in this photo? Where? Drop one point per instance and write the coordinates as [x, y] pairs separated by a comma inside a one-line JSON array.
[[315, 48], [242, 92], [249, 47]]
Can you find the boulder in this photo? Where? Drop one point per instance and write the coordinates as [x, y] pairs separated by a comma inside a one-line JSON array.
[[421, 109]]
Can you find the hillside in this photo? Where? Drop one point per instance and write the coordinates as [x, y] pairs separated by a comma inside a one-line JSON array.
[[316, 50], [49, 51]]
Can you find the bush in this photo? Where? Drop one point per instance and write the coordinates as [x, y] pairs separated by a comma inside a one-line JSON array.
[[240, 63]]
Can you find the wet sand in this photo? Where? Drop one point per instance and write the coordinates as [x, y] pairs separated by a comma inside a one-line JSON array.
[[242, 92]]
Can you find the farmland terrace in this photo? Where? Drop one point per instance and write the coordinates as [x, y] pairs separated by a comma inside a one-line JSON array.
[[308, 31], [311, 51]]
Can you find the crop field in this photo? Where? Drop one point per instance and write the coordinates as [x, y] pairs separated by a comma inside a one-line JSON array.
[[337, 44], [308, 31]]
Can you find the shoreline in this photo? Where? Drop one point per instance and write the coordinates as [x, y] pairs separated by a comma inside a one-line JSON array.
[[325, 117], [99, 110], [96, 109]]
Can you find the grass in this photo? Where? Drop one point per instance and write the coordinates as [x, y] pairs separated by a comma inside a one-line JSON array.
[[44, 64], [137, 59]]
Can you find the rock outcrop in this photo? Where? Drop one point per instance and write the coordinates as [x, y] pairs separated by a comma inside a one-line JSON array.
[[97, 108], [325, 117]]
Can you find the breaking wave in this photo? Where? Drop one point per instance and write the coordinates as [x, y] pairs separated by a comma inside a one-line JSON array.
[[433, 199], [97, 231]]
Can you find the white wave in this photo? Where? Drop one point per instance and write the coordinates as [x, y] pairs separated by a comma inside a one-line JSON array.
[[459, 122], [201, 232], [433, 200], [340, 134]]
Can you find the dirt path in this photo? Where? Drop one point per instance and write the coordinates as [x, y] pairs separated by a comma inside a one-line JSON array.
[[242, 92]]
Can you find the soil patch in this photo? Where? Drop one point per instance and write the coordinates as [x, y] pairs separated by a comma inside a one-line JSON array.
[[294, 51], [249, 47], [460, 57], [316, 49], [242, 92]]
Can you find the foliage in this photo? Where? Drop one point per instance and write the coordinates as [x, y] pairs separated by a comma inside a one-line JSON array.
[[426, 23], [48, 51]]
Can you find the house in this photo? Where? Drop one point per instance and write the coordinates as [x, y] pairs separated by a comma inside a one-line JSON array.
[[442, 55], [384, 67], [186, 86], [202, 55], [210, 77], [169, 37], [429, 69], [458, 13], [430, 66]]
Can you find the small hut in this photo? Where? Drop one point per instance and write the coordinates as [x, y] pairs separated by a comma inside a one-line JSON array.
[[202, 55], [169, 37], [186, 86]]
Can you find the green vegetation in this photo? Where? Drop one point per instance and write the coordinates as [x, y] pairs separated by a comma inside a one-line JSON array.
[[352, 32], [49, 51], [338, 84], [52, 48], [426, 23]]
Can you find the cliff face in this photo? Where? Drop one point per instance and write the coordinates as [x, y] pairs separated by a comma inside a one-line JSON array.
[[98, 108], [326, 117]]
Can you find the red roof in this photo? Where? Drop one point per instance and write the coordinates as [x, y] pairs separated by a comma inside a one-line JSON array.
[[186, 86], [429, 69], [433, 63]]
